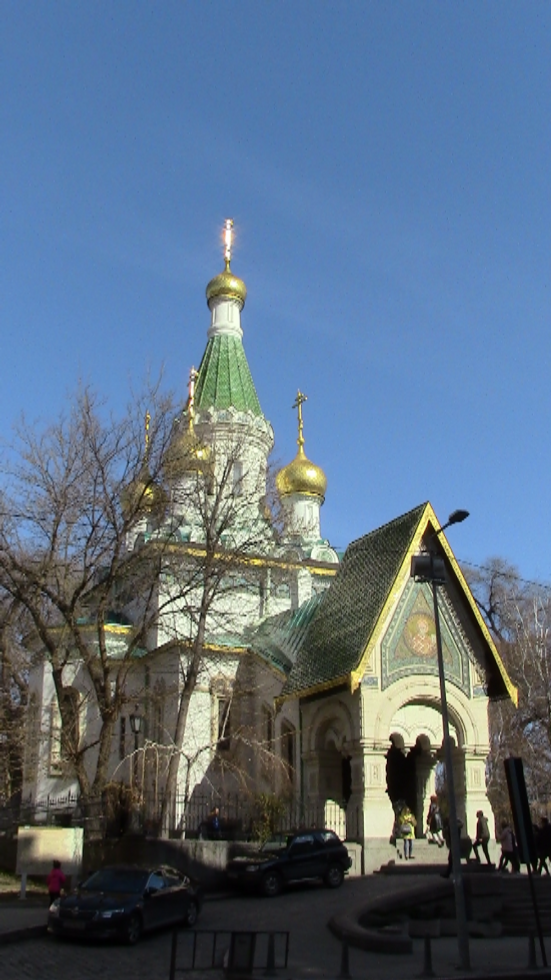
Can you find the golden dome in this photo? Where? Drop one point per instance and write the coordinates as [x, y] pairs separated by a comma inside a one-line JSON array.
[[143, 496], [186, 454], [302, 476], [226, 284]]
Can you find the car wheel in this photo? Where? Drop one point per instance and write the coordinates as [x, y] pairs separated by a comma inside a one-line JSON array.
[[271, 884], [334, 877], [133, 929], [190, 918]]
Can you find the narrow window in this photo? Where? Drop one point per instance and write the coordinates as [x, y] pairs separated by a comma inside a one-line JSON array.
[[268, 729], [55, 740], [237, 479], [224, 724], [122, 737], [288, 750]]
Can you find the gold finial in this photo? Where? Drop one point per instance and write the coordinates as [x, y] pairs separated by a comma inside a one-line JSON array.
[[147, 420], [298, 405], [228, 241], [193, 375]]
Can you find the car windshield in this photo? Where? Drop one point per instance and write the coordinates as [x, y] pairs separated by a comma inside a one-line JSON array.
[[117, 880]]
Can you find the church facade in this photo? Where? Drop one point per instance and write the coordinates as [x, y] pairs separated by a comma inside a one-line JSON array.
[[318, 678]]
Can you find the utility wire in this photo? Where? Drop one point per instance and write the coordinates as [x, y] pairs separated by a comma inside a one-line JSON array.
[[512, 574]]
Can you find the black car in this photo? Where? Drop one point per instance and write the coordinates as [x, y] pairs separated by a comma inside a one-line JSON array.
[[295, 857], [122, 902]]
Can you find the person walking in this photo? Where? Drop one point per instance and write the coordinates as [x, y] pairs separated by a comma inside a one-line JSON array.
[[482, 837], [508, 848], [434, 823], [542, 837], [55, 881], [407, 824], [448, 839]]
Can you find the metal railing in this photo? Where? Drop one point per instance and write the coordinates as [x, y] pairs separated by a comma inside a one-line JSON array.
[[239, 818], [238, 953]]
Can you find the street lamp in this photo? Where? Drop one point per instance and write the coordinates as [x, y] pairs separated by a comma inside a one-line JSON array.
[[431, 568], [136, 726]]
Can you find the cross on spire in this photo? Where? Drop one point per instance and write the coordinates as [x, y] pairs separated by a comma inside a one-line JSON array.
[[228, 240], [147, 420], [300, 399], [193, 375]]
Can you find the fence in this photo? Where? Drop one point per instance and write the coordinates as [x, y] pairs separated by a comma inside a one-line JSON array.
[[240, 817]]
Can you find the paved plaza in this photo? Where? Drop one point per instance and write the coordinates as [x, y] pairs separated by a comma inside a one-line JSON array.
[[304, 911]]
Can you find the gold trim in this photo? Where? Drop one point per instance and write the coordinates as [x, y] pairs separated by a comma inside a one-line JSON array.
[[427, 518], [321, 568], [316, 689]]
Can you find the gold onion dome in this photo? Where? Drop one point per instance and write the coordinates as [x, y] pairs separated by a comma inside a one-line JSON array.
[[225, 283], [301, 476], [143, 495], [186, 453]]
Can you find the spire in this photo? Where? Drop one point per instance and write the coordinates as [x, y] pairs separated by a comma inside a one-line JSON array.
[[224, 377]]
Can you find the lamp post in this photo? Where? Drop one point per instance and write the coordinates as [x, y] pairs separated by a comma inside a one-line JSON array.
[[136, 726], [430, 568]]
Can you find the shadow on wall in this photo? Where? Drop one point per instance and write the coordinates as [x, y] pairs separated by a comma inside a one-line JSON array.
[[204, 860]]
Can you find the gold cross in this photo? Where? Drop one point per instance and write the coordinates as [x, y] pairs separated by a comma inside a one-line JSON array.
[[147, 421], [228, 240], [300, 399], [193, 375]]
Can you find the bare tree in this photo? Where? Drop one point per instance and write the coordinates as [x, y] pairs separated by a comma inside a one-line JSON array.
[[168, 539], [519, 616], [15, 664]]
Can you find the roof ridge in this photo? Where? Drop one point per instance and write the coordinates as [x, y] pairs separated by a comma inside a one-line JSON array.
[[384, 527]]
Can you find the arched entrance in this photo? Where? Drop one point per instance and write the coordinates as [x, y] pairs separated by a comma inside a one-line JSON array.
[[335, 774], [414, 761]]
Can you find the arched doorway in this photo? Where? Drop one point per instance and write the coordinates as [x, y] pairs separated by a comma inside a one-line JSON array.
[[414, 761]]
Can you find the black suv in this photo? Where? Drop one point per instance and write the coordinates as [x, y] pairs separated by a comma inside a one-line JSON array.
[[308, 854]]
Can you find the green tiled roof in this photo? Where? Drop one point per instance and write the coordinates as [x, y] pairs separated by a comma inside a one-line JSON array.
[[225, 378], [278, 638], [348, 612]]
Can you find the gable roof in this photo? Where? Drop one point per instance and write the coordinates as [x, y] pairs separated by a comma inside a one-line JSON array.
[[352, 614], [352, 605]]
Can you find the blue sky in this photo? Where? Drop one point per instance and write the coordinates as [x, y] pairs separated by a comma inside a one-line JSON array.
[[387, 167]]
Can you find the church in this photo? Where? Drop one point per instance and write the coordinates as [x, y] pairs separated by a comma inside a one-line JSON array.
[[317, 682]]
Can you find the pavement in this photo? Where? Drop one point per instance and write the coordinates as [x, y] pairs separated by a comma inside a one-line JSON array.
[[315, 953]]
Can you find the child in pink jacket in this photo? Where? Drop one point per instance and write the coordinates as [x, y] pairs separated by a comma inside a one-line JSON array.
[[55, 881]]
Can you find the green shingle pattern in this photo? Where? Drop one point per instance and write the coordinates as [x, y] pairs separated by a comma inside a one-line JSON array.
[[279, 638], [225, 379], [349, 610]]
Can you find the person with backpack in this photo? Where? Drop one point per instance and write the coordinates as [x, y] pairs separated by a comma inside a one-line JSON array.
[[407, 824]]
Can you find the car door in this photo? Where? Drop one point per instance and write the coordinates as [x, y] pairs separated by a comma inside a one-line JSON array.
[[154, 901], [305, 858], [176, 897]]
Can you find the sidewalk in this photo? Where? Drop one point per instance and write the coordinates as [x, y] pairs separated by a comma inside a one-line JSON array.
[[22, 920]]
